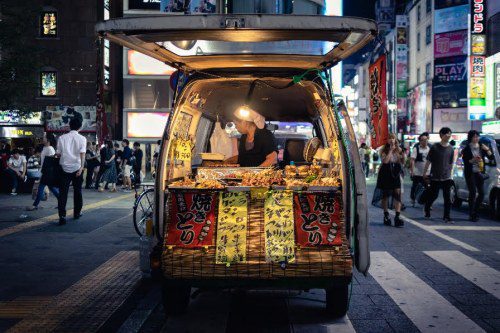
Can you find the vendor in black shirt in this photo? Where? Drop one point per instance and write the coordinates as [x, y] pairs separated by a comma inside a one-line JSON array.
[[257, 145]]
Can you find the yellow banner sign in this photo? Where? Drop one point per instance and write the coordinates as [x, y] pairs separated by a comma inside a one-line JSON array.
[[232, 228], [278, 227]]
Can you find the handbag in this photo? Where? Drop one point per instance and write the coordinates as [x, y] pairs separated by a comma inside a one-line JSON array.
[[422, 193], [51, 171]]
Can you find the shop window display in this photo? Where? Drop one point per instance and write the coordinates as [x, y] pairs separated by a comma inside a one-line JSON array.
[[48, 25], [48, 83]]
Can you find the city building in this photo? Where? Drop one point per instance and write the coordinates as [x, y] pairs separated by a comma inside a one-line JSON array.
[[67, 75]]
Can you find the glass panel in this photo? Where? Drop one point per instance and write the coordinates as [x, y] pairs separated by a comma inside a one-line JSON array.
[[206, 47], [202, 138], [146, 94]]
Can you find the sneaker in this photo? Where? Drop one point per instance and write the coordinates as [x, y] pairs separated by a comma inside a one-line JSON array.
[[32, 208], [398, 223], [77, 216], [62, 221], [427, 214], [13, 193], [473, 218], [387, 220]]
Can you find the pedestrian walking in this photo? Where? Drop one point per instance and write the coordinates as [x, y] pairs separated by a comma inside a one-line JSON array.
[[34, 164], [71, 148], [473, 158], [16, 170], [102, 165], [389, 178], [118, 156], [49, 142], [92, 162], [126, 165], [417, 163], [440, 160], [137, 162], [109, 176], [375, 161], [362, 156]]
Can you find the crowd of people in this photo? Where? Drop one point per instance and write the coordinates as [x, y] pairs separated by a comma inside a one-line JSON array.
[[430, 170], [21, 170]]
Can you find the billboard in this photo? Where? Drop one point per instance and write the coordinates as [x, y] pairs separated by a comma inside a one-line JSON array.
[[456, 119], [449, 95], [450, 44], [12, 117], [418, 109], [146, 124], [379, 128], [450, 69], [57, 117], [451, 19]]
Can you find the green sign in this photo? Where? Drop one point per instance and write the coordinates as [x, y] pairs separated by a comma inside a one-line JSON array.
[[401, 89]]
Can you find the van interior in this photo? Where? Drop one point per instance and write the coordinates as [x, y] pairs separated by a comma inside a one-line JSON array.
[[279, 100]]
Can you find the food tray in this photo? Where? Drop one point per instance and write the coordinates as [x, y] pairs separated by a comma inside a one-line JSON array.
[[291, 188], [316, 188], [212, 156], [238, 188]]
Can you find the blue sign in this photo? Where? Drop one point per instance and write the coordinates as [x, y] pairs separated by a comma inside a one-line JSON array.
[[451, 19]]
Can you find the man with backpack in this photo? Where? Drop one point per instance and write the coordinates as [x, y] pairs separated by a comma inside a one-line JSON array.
[[417, 164]]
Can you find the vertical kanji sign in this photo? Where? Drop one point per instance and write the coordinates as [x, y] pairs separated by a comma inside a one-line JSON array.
[[317, 219], [192, 219], [378, 103]]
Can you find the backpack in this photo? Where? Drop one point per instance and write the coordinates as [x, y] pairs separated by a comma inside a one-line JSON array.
[[375, 157], [420, 156]]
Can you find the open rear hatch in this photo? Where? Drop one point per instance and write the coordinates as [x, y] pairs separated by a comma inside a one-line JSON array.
[[197, 42]]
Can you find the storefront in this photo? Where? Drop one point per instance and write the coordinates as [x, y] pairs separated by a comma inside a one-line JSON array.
[[21, 132]]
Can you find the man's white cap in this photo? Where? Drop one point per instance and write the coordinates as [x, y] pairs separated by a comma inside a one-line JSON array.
[[247, 114]]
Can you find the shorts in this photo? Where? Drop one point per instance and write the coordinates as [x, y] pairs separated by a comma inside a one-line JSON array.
[[126, 170]]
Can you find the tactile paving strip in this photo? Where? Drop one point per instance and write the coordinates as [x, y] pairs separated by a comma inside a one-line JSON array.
[[87, 304], [22, 307]]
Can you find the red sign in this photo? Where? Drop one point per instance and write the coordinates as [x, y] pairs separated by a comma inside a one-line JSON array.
[[317, 219], [450, 44], [192, 219], [378, 103]]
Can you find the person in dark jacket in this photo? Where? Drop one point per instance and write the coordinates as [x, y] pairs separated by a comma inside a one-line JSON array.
[[473, 157], [137, 162]]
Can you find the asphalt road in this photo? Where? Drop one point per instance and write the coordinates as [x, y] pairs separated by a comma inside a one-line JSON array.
[[428, 276]]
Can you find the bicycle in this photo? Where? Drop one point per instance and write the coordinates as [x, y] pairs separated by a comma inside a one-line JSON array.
[[143, 207]]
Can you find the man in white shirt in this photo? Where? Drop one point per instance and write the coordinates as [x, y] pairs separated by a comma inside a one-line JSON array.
[[16, 169], [417, 163], [71, 148]]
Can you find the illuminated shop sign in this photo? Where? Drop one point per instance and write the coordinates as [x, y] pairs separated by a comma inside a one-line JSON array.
[[451, 19], [48, 83], [450, 69], [146, 124], [48, 26], [141, 64], [450, 44], [491, 127], [21, 132], [477, 82]]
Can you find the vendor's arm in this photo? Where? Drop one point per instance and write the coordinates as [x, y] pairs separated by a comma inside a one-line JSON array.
[[270, 160]]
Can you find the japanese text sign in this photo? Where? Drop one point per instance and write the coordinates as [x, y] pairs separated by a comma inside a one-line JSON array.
[[378, 103], [232, 228], [317, 219], [192, 219], [278, 227]]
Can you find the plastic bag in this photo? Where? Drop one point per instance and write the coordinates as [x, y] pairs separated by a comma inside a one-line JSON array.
[[220, 142]]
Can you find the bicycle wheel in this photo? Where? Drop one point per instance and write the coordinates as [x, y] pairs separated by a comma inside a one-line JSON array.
[[143, 210]]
